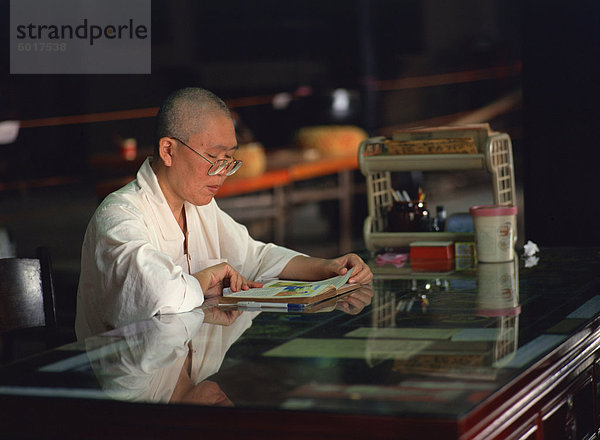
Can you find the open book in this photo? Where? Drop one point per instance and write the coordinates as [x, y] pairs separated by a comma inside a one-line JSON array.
[[292, 292]]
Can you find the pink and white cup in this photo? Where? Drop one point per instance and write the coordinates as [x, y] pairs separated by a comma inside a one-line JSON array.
[[495, 232]]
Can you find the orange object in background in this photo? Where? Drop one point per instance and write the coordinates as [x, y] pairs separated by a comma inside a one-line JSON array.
[[129, 149], [330, 140], [254, 157]]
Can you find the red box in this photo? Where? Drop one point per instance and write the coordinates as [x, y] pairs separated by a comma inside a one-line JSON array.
[[432, 250], [432, 265]]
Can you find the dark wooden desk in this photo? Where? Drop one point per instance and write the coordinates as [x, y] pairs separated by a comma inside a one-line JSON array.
[[505, 351]]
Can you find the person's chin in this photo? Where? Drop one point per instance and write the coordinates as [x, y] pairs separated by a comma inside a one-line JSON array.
[[203, 196], [202, 200]]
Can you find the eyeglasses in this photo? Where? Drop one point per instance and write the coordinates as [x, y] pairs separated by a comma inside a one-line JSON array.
[[217, 166]]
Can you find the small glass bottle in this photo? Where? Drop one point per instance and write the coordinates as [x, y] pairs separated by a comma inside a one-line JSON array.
[[440, 217]]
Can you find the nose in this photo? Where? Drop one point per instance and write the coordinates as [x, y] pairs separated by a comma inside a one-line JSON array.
[[222, 173]]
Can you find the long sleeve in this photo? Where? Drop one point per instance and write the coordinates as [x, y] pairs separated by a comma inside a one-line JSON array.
[[252, 258], [137, 280]]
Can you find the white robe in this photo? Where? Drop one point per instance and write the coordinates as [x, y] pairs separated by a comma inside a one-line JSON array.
[[133, 264]]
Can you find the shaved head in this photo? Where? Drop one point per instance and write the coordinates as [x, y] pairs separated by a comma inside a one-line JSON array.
[[184, 112]]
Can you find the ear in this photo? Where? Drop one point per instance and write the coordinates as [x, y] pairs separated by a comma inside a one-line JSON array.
[[165, 150]]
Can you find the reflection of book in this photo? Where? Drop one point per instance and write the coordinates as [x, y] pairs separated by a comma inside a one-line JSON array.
[[325, 305], [292, 292]]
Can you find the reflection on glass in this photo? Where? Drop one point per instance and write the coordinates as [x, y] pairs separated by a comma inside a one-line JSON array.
[[498, 296], [352, 303], [169, 357], [461, 325]]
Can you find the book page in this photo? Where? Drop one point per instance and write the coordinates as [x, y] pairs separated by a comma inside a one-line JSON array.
[[283, 289], [290, 289]]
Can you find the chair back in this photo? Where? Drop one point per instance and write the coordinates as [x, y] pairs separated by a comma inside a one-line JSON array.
[[27, 292]]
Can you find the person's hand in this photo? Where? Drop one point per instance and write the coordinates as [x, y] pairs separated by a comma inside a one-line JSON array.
[[361, 274], [214, 315], [213, 279], [355, 301], [206, 392]]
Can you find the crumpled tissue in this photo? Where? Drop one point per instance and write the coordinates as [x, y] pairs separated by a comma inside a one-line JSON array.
[[529, 251]]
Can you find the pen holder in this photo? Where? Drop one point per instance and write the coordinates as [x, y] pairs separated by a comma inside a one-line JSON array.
[[407, 216]]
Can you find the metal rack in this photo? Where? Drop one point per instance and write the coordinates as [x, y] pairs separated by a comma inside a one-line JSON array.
[[494, 154]]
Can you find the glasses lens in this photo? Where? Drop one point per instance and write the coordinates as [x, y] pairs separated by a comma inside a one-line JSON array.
[[229, 167], [234, 166], [217, 167]]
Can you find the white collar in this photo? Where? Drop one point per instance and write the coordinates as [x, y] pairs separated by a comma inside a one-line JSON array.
[[149, 184]]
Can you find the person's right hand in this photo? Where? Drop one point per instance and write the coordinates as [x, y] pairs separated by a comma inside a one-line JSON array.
[[215, 315], [213, 279], [206, 392], [356, 300]]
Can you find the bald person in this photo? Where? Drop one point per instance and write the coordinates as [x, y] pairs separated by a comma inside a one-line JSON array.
[[161, 244]]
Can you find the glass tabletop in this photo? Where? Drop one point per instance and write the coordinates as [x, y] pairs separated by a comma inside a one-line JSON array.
[[410, 344]]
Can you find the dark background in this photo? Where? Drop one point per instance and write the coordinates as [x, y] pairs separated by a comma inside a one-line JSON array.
[[561, 113], [242, 49]]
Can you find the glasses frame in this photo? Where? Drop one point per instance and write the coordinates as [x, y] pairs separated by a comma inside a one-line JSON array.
[[218, 165]]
